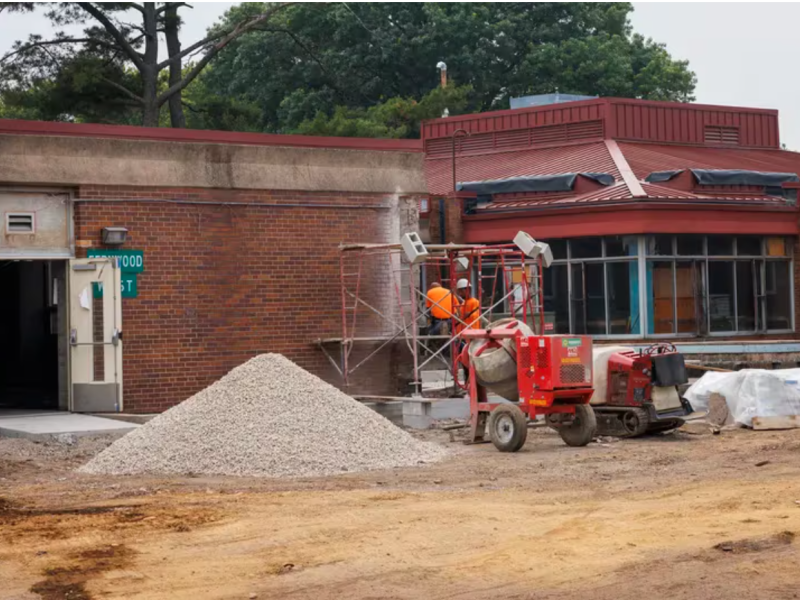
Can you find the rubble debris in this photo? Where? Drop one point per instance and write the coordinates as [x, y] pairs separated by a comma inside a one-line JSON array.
[[266, 418]]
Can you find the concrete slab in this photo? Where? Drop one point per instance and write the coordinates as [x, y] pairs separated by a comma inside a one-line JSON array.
[[45, 425], [128, 417]]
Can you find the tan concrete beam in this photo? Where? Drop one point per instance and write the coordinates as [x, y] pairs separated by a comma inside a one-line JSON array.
[[53, 160]]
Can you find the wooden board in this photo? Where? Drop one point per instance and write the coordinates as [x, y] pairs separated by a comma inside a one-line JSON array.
[[790, 422]]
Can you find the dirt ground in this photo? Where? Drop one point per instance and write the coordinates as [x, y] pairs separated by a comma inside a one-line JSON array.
[[675, 516]]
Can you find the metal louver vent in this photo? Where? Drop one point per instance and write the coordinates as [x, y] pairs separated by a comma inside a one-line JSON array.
[[718, 134], [482, 143], [19, 223]]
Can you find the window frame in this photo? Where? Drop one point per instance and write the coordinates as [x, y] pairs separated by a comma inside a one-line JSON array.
[[642, 257]]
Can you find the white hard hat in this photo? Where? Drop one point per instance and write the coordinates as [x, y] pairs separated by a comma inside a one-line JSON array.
[[462, 283]]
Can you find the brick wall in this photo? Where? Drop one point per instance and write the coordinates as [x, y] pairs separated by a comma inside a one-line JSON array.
[[224, 282]]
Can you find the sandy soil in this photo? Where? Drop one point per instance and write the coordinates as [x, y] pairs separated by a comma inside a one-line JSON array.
[[676, 516]]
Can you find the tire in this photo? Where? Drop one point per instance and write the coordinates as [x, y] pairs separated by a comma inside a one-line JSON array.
[[635, 422], [581, 431], [508, 428]]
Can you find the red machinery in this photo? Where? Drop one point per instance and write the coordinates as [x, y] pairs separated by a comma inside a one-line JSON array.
[[548, 375], [642, 392]]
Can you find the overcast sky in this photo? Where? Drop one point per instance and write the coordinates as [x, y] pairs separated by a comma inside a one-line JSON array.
[[744, 54]]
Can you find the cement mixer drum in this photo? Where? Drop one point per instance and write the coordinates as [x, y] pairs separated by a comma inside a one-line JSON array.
[[495, 361]]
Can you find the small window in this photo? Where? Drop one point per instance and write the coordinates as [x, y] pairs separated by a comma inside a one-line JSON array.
[[690, 245], [558, 248], [622, 245], [776, 246], [720, 245], [590, 247], [748, 245], [659, 245], [19, 223]]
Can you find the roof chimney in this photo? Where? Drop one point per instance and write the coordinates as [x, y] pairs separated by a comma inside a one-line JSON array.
[[442, 72]]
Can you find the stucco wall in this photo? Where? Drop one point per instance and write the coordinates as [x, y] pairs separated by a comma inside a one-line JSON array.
[[54, 160]]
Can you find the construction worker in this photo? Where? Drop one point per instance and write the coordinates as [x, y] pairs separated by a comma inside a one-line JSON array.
[[442, 307], [469, 307]]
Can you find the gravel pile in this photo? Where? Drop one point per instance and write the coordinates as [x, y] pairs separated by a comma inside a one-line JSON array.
[[266, 418]]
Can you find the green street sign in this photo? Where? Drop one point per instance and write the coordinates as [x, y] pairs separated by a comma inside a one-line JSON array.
[[129, 286], [130, 261]]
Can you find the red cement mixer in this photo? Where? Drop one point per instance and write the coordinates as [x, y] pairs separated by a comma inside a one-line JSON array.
[[548, 375]]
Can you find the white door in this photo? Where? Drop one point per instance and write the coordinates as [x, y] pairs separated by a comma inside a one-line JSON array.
[[95, 335]]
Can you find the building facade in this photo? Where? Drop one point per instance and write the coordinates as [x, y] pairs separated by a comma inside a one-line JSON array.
[[231, 251], [666, 221]]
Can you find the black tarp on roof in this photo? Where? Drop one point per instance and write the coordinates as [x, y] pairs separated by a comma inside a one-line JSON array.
[[741, 177], [563, 182], [728, 177], [661, 176]]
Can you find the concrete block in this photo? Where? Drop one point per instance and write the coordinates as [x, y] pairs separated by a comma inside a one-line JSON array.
[[416, 407], [450, 408], [414, 422]]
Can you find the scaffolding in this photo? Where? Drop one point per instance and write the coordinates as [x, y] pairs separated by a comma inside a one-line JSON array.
[[384, 301]]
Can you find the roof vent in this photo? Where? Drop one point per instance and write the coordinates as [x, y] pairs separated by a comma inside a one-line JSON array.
[[19, 223], [719, 134]]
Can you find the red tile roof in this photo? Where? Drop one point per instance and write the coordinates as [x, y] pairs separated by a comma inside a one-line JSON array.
[[592, 157]]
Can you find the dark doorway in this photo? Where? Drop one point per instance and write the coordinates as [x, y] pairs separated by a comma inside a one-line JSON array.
[[29, 365]]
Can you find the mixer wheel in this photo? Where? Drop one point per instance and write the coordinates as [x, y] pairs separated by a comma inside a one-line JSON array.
[[508, 428], [582, 428]]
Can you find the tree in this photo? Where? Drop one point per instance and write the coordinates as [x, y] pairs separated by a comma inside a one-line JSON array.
[[313, 58], [119, 37], [394, 118]]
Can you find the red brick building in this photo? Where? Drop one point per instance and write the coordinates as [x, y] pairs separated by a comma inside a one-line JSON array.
[[667, 221], [237, 235]]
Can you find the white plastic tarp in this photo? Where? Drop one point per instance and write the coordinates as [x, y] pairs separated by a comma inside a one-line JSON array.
[[750, 393]]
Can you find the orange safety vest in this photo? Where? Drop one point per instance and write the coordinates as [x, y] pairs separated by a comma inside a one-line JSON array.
[[441, 301], [470, 313]]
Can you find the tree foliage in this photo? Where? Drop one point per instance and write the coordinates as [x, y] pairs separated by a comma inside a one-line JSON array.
[[370, 68], [342, 59], [394, 118], [59, 76]]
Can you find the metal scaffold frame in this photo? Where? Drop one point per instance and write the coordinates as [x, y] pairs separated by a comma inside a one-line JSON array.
[[516, 285]]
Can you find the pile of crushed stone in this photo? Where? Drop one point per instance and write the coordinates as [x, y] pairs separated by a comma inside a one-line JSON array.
[[266, 418]]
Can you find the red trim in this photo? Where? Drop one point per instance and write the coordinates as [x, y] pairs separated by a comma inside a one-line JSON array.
[[629, 220], [130, 132]]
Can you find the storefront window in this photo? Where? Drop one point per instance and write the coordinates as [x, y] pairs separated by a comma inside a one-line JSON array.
[[586, 248], [748, 245], [720, 296], [622, 245], [778, 282], [623, 298], [661, 296], [720, 245], [694, 285], [659, 245], [689, 245], [745, 296], [688, 296], [556, 288]]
